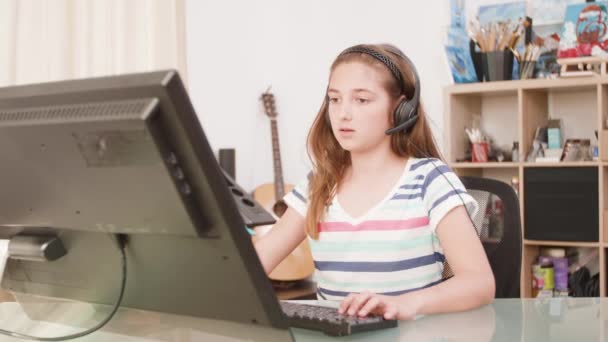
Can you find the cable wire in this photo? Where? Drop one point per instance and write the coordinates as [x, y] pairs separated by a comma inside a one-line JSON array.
[[121, 240]]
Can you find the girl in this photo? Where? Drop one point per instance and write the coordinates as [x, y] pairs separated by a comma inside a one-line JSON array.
[[382, 213]]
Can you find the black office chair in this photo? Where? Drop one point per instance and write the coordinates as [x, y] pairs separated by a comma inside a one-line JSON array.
[[499, 228]]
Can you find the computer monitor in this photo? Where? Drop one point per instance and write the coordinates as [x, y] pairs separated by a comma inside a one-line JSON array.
[[85, 159]]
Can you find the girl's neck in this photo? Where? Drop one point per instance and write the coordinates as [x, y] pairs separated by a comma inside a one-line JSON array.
[[374, 163]]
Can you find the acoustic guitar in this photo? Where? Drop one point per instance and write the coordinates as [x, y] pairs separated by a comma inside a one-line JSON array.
[[298, 265]]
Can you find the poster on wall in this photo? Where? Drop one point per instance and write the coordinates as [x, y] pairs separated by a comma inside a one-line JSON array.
[[513, 11], [549, 12]]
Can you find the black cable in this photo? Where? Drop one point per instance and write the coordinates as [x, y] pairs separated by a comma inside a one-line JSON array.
[[430, 158], [121, 240]]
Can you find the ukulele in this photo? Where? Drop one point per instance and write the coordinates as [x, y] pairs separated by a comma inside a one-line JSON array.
[[298, 265]]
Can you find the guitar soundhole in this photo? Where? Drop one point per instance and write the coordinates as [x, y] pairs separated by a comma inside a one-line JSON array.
[[237, 192], [279, 208]]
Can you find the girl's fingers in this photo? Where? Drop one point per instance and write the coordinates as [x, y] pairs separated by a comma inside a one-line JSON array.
[[358, 301], [346, 303], [390, 313], [372, 304]]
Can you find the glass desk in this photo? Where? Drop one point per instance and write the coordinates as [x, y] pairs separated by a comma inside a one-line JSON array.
[[558, 319]]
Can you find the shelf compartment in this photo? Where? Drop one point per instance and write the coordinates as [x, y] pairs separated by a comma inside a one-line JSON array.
[[531, 253], [497, 118], [576, 108]]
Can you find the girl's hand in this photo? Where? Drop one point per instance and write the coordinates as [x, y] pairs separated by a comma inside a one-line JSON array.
[[389, 307]]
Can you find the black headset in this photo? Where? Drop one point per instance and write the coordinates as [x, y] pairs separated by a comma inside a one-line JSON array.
[[406, 114]]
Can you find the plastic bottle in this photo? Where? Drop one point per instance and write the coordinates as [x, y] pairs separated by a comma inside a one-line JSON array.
[[538, 280], [546, 264], [560, 267], [515, 152]]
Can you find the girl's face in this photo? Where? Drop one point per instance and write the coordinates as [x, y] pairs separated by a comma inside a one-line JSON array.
[[359, 107]]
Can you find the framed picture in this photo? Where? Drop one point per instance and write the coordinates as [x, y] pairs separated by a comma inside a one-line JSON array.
[[576, 150], [585, 30]]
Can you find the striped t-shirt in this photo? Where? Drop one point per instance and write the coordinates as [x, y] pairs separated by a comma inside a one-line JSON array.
[[392, 248]]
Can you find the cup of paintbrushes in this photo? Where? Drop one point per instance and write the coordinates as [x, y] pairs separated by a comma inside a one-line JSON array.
[[497, 65], [526, 69], [527, 61]]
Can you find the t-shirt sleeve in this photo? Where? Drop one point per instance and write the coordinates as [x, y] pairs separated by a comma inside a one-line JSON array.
[[298, 197], [443, 191]]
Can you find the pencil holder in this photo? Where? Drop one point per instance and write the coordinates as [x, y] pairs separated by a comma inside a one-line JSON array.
[[497, 65], [526, 69], [479, 152]]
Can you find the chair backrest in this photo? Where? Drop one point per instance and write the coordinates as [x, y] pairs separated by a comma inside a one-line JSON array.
[[498, 225]]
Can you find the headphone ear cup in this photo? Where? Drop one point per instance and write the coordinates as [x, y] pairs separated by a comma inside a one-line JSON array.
[[405, 113], [400, 113]]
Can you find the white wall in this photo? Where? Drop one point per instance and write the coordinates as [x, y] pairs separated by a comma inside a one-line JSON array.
[[238, 48]]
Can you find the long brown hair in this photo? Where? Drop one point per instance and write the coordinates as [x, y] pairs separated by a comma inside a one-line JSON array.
[[330, 160]]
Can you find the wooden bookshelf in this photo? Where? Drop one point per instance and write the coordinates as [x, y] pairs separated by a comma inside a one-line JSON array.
[[510, 111]]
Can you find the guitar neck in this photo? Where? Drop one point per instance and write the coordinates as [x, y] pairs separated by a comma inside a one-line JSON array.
[[279, 188]]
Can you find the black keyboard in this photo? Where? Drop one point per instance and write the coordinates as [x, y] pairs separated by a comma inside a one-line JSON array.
[[329, 321]]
